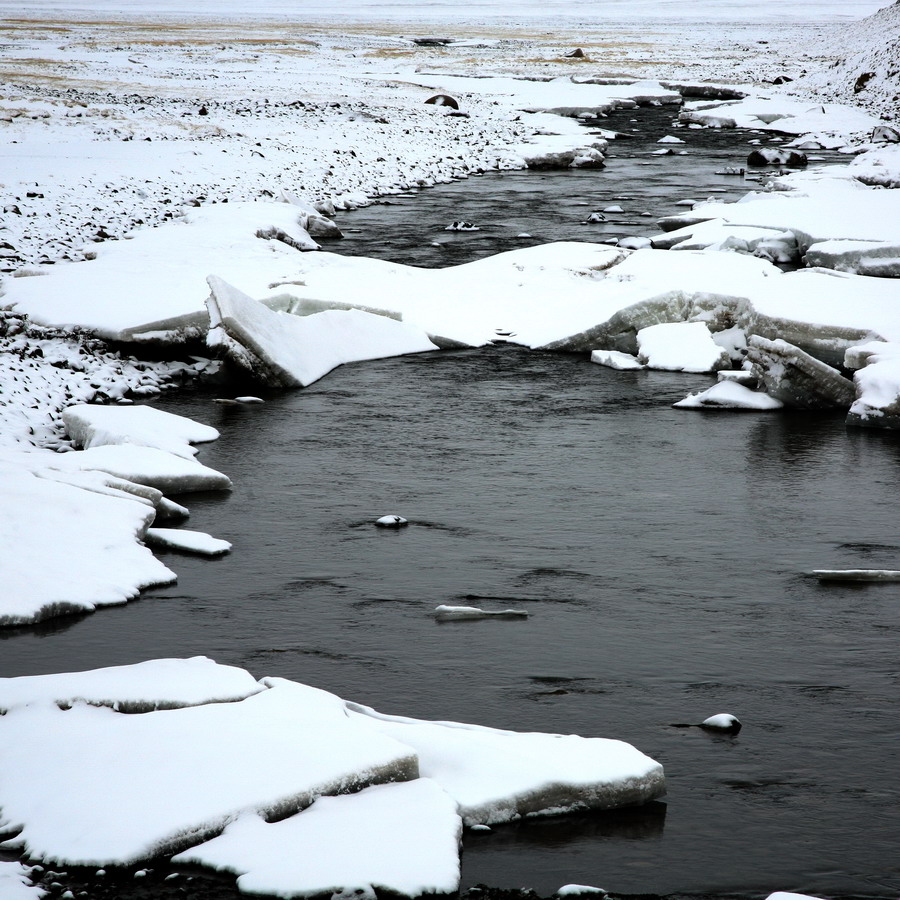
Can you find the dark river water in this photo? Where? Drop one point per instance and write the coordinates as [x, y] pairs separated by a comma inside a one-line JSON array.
[[661, 554]]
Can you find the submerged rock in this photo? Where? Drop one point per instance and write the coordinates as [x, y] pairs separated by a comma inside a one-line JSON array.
[[797, 379]]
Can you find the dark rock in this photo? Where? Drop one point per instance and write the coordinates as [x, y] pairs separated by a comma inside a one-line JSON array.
[[443, 100], [862, 81], [768, 156], [577, 53]]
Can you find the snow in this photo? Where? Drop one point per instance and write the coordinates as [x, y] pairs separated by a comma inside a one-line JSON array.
[[146, 465], [497, 776], [15, 882], [403, 838], [154, 684], [188, 541], [95, 557], [729, 395], [290, 350], [92, 425], [680, 347], [115, 789]]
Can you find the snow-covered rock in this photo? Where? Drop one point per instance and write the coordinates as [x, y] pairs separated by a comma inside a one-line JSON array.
[[722, 722], [93, 425], [292, 351], [154, 684], [680, 347], [402, 838], [112, 788], [729, 395], [497, 776]]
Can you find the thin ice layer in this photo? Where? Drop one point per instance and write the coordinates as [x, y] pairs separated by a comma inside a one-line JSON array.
[[497, 776], [112, 788], [402, 838], [154, 684]]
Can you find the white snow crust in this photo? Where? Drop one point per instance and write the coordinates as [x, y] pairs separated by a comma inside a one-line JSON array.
[[680, 347], [402, 838]]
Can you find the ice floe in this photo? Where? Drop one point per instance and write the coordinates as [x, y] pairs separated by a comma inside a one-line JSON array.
[[95, 425], [553, 773], [112, 788], [95, 557], [154, 684], [188, 541], [402, 838], [448, 613], [295, 350]]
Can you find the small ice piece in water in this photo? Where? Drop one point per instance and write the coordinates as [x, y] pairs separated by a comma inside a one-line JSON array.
[[857, 574], [729, 395], [613, 209], [722, 722], [480, 827], [580, 890], [446, 613], [616, 359], [462, 226], [670, 139], [391, 522], [188, 541], [249, 399], [594, 218]]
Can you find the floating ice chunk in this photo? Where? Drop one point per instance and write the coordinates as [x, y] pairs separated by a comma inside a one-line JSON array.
[[249, 399], [579, 890], [399, 838], [155, 684], [788, 895], [680, 347], [15, 882], [857, 574], [729, 395], [613, 209], [796, 378], [722, 722], [497, 776], [391, 521], [294, 351], [147, 465], [446, 613], [462, 226], [189, 541], [114, 789], [67, 549], [615, 359], [92, 425], [670, 139]]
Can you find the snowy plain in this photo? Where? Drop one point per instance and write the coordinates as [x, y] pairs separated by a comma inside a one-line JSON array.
[[125, 140]]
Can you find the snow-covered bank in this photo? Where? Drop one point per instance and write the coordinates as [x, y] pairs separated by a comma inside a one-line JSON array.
[[116, 787]]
